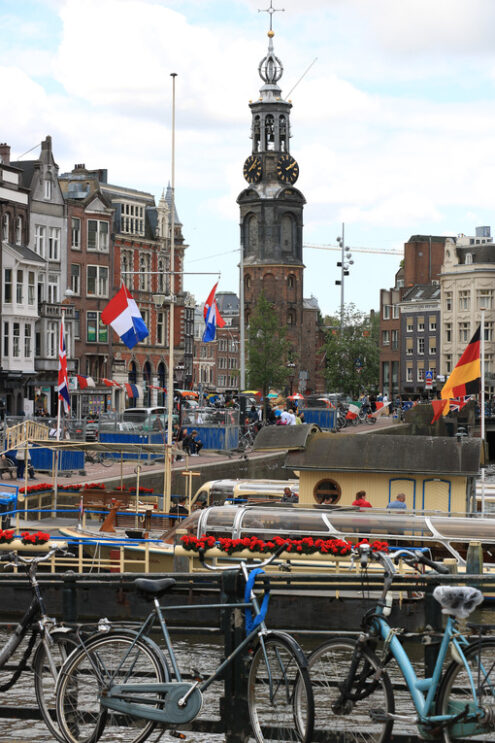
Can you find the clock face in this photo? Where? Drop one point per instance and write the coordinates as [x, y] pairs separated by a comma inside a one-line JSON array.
[[252, 169], [287, 169]]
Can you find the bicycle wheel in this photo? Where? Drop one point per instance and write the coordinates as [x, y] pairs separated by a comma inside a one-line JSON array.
[[349, 720], [106, 460], [46, 666], [114, 658], [455, 691], [280, 697]]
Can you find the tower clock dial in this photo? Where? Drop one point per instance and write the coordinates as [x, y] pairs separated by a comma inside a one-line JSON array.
[[287, 169], [252, 169]]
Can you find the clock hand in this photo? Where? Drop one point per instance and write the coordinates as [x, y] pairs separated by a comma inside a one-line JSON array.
[[252, 166], [289, 167]]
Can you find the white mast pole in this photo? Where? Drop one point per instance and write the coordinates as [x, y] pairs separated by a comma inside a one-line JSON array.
[[482, 404], [170, 384]]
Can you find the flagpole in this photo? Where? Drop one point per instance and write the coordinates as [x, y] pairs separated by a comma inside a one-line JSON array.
[[170, 390], [482, 403]]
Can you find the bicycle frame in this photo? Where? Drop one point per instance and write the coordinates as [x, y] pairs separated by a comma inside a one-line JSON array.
[[116, 697], [423, 691]]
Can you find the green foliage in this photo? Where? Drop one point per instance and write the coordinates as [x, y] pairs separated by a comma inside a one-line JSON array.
[[352, 358], [267, 349]]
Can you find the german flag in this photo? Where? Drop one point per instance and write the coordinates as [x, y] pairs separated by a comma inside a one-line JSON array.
[[465, 379]]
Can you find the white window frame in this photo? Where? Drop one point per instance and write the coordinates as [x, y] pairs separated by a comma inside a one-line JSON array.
[[19, 286], [75, 278], [54, 243], [8, 281], [31, 288], [420, 346], [18, 230], [409, 374], [53, 288], [16, 340], [101, 236], [132, 218], [40, 239], [101, 279], [485, 299], [51, 340], [464, 300], [28, 340], [76, 233], [5, 226], [47, 189]]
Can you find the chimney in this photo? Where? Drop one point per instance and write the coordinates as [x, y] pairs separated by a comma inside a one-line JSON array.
[[47, 144], [5, 153]]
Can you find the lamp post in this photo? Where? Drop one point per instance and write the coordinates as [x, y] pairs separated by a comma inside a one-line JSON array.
[[291, 367], [344, 264]]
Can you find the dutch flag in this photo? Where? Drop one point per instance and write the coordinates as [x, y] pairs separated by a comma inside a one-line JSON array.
[[123, 315], [212, 316], [63, 382]]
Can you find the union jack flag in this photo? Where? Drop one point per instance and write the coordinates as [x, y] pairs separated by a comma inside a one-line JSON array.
[[457, 403], [63, 382]]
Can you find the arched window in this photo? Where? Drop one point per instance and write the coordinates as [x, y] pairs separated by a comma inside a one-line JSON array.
[[257, 134], [126, 267], [132, 378], [247, 282], [288, 233], [269, 287], [291, 281], [469, 258], [251, 235], [291, 317], [5, 226], [327, 492], [144, 272], [161, 276], [282, 122], [18, 231], [147, 382], [269, 132]]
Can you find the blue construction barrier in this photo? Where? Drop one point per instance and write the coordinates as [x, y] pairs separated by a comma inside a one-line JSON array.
[[133, 438], [322, 417], [42, 459], [216, 437]]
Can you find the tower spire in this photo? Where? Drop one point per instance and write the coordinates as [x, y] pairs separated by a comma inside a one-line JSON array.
[[271, 10]]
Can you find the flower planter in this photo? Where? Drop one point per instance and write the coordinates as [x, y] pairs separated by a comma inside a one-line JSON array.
[[215, 553], [18, 545]]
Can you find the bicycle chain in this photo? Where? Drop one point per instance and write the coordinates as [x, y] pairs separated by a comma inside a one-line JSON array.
[[22, 665]]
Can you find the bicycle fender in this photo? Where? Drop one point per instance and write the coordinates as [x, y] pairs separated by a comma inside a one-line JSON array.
[[168, 711], [293, 643]]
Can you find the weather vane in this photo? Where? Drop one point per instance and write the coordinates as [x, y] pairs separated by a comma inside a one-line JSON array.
[[271, 10]]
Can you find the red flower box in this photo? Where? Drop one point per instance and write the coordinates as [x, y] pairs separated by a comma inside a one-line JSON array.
[[304, 546], [38, 537], [6, 536], [37, 488]]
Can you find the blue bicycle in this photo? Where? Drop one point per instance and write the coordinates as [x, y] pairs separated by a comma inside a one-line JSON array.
[[355, 699]]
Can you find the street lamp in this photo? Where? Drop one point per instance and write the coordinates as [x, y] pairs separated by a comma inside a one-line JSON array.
[[291, 367], [344, 265]]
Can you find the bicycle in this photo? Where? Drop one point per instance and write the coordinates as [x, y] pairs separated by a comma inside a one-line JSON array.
[[56, 644], [119, 685], [98, 457], [353, 691]]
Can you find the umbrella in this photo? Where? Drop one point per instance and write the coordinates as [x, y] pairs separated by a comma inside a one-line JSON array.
[[297, 396], [188, 393], [250, 392], [272, 394]]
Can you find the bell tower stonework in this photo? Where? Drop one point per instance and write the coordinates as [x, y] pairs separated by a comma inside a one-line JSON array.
[[271, 210]]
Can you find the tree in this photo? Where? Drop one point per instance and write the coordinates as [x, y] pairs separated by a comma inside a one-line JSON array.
[[267, 349], [352, 357]]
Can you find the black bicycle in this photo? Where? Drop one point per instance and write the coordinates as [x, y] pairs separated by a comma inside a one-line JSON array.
[[49, 644]]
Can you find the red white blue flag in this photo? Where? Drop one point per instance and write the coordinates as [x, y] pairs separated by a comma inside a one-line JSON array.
[[85, 382], [132, 390], [123, 314], [63, 382], [212, 317]]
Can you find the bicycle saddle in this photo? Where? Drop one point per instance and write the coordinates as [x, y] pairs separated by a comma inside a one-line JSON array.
[[459, 601], [151, 588]]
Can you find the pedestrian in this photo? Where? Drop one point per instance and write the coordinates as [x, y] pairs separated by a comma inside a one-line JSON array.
[[399, 502], [178, 512], [360, 500], [289, 496], [191, 444]]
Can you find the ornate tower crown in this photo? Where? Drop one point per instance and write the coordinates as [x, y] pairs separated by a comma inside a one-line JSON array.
[[270, 70]]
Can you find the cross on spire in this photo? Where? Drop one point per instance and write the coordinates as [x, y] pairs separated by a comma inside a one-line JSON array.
[[271, 10]]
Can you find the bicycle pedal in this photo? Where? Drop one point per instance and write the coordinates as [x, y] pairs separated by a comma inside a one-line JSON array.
[[196, 675]]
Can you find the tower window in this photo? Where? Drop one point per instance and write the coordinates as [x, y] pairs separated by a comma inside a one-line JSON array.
[[256, 134], [282, 122], [247, 282], [291, 281], [269, 132], [291, 317]]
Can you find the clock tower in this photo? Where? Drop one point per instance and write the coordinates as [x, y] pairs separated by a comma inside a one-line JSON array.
[[271, 210]]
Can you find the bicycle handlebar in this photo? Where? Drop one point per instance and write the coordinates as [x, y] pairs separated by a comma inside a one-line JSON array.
[[14, 558], [411, 557], [262, 564]]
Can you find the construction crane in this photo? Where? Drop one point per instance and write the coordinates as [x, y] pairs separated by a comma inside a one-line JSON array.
[[392, 251]]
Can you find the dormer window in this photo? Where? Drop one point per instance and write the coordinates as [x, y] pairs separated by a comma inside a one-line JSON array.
[[469, 258]]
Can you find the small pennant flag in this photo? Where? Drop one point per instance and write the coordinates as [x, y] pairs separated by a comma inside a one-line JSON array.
[[84, 382], [110, 383], [132, 390]]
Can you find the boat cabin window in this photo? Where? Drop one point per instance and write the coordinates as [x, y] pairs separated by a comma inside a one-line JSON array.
[[327, 492]]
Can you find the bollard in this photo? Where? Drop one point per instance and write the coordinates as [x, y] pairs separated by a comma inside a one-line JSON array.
[[181, 564], [451, 564], [474, 562], [69, 598], [234, 709]]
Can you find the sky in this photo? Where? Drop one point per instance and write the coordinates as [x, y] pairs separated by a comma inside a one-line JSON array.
[[393, 125]]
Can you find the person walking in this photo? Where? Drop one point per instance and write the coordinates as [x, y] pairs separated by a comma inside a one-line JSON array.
[[360, 500], [399, 502]]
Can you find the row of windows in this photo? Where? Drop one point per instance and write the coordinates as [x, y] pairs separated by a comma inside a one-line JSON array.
[[420, 372], [227, 363], [23, 280], [98, 234], [449, 363], [387, 314], [421, 345], [420, 324], [47, 242], [390, 338], [17, 340], [484, 299], [97, 332], [464, 332], [132, 219], [227, 381], [144, 281]]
